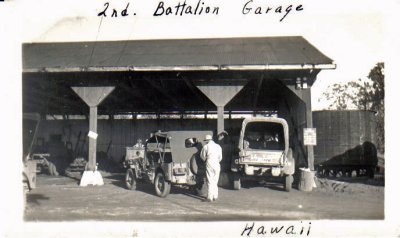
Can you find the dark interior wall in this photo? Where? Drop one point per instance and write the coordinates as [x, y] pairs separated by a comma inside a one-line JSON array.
[[263, 93], [115, 135], [293, 110]]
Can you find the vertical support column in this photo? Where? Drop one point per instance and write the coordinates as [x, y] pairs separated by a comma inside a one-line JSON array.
[[92, 140], [220, 120], [220, 94], [92, 96], [305, 96], [310, 149]]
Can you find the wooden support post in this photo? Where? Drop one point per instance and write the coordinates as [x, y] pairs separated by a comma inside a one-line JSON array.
[[220, 95], [220, 120], [305, 96], [92, 96], [92, 140], [310, 148]]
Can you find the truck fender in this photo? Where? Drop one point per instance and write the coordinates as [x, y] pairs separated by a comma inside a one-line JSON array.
[[289, 167], [234, 166]]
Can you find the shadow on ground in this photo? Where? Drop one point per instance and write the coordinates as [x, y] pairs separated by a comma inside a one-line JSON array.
[[35, 198], [146, 187], [189, 191], [357, 180], [274, 184]]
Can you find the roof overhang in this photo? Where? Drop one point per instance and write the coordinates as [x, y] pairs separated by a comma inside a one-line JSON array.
[[161, 75], [219, 54], [183, 68]]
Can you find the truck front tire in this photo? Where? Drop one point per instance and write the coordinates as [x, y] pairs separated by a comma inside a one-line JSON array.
[[161, 186], [130, 179]]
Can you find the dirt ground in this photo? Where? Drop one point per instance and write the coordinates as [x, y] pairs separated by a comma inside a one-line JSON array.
[[61, 199]]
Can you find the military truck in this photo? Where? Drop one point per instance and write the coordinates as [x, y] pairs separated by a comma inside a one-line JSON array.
[[166, 158], [263, 151]]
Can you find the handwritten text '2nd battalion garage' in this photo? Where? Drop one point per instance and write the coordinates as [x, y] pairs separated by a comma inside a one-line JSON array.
[[201, 7]]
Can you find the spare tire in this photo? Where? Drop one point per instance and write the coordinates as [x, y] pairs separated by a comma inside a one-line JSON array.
[[194, 168]]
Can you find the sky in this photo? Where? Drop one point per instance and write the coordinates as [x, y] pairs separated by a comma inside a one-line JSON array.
[[356, 34]]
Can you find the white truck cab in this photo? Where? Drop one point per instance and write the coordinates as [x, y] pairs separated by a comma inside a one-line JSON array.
[[263, 151]]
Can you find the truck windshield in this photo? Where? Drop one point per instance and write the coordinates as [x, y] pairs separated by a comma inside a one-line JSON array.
[[264, 136]]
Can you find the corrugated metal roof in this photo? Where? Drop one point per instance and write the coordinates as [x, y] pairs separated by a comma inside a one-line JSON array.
[[294, 50]]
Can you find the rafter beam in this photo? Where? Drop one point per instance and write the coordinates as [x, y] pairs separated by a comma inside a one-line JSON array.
[[49, 98], [134, 91], [258, 89], [162, 90], [194, 90]]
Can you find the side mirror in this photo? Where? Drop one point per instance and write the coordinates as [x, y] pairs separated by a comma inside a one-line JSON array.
[[190, 142]]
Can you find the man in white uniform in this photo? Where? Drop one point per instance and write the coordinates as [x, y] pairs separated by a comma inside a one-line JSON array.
[[212, 155]]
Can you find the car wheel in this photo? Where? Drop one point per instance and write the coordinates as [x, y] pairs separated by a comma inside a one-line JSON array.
[[161, 186], [130, 179], [288, 183], [236, 183]]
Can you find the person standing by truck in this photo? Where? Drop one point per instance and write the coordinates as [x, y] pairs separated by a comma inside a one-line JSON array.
[[212, 156]]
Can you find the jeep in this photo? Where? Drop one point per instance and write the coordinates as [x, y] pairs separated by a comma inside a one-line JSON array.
[[167, 158]]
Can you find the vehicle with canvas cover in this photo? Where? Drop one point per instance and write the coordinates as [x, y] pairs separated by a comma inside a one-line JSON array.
[[167, 158], [263, 151]]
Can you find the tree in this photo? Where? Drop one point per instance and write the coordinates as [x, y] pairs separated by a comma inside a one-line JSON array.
[[363, 95], [377, 99]]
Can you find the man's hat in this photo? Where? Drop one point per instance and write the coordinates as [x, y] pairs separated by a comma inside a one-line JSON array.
[[208, 137]]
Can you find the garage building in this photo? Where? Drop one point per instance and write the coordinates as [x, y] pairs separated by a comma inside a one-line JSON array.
[[127, 89]]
